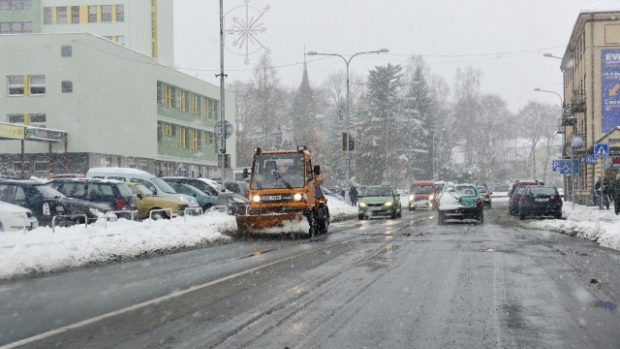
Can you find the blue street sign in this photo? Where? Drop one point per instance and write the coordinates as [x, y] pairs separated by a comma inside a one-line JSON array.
[[601, 150], [566, 166], [590, 159]]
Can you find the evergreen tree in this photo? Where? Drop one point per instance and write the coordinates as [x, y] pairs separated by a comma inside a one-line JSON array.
[[377, 148]]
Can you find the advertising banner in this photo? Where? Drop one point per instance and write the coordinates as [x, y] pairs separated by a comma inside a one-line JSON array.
[[43, 134], [610, 89], [11, 131]]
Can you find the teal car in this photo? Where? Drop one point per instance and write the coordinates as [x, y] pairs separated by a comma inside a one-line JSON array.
[[379, 201], [461, 202]]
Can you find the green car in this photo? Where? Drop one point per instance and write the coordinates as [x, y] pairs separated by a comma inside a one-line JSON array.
[[379, 201], [460, 201]]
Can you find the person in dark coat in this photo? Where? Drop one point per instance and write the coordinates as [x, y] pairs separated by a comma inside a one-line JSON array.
[[617, 194], [353, 195]]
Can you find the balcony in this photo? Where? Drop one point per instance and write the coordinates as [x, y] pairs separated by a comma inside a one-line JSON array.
[[578, 102]]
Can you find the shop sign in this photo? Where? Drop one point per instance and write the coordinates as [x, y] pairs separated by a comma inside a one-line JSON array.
[[11, 131], [43, 134]]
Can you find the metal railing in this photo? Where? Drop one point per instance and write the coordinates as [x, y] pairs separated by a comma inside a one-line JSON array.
[[133, 213], [195, 211], [69, 216], [160, 210]]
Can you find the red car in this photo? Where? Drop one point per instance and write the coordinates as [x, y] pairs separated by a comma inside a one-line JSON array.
[[421, 195]]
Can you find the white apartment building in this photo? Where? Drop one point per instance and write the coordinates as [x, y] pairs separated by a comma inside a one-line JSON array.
[[118, 107]]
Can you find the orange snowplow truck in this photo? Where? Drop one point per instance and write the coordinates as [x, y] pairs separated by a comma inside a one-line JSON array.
[[285, 194]]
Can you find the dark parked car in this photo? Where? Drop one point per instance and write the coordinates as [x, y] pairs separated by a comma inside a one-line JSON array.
[[46, 202], [204, 200], [237, 187], [515, 194], [113, 193], [540, 201], [198, 183]]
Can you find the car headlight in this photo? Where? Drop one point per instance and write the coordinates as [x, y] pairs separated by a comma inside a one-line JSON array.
[[411, 197], [363, 205], [430, 198], [256, 198], [389, 203], [297, 197]]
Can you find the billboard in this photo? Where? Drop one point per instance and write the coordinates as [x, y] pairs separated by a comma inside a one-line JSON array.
[[11, 131], [610, 89]]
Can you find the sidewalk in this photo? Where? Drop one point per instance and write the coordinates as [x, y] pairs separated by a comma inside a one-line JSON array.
[[588, 222]]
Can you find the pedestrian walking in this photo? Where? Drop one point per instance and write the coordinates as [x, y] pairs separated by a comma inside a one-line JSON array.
[[353, 195], [617, 194]]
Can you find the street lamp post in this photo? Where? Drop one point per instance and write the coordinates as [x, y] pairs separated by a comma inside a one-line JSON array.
[[572, 155], [347, 61]]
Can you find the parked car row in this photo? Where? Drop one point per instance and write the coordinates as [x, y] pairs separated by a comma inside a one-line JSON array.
[[109, 192]]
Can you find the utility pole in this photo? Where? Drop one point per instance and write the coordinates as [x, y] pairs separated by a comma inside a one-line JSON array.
[[222, 76]]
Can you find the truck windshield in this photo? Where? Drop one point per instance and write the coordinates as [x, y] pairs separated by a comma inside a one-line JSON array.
[[278, 171]]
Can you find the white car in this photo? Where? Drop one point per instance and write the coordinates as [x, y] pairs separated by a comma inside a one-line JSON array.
[[16, 218]]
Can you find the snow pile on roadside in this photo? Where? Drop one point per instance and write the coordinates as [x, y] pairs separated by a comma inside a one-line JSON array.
[[601, 226], [340, 210], [42, 250]]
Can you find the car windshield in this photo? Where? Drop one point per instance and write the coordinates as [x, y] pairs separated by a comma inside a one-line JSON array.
[[163, 185], [536, 191], [48, 192], [278, 171], [378, 191], [465, 190], [426, 189]]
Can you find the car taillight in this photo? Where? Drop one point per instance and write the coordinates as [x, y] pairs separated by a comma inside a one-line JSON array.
[[119, 204], [478, 202], [558, 199], [487, 196], [46, 209]]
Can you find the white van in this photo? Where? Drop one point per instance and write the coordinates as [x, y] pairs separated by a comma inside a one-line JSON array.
[[152, 182]]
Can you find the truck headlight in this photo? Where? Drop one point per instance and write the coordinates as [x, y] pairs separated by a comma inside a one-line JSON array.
[[297, 197], [389, 203], [363, 205], [411, 197], [256, 198]]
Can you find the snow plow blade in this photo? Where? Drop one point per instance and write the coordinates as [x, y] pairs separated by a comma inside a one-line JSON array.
[[273, 223]]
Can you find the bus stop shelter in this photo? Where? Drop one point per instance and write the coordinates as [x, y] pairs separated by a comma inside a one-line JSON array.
[[25, 133]]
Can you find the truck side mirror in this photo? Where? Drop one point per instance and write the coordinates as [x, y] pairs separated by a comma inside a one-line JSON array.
[[317, 169], [246, 173]]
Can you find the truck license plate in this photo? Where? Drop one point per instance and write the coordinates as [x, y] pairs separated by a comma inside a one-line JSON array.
[[272, 197]]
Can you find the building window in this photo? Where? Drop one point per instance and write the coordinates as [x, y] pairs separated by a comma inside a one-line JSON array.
[[92, 14], [194, 104], [66, 51], [16, 85], [168, 130], [34, 119], [120, 13], [182, 138], [168, 97], [61, 15], [15, 27], [47, 15], [67, 86], [208, 137], [15, 5], [182, 100], [106, 13], [75, 14], [37, 85], [195, 139]]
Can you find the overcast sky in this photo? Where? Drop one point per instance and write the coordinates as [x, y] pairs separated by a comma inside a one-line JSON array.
[[505, 39]]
